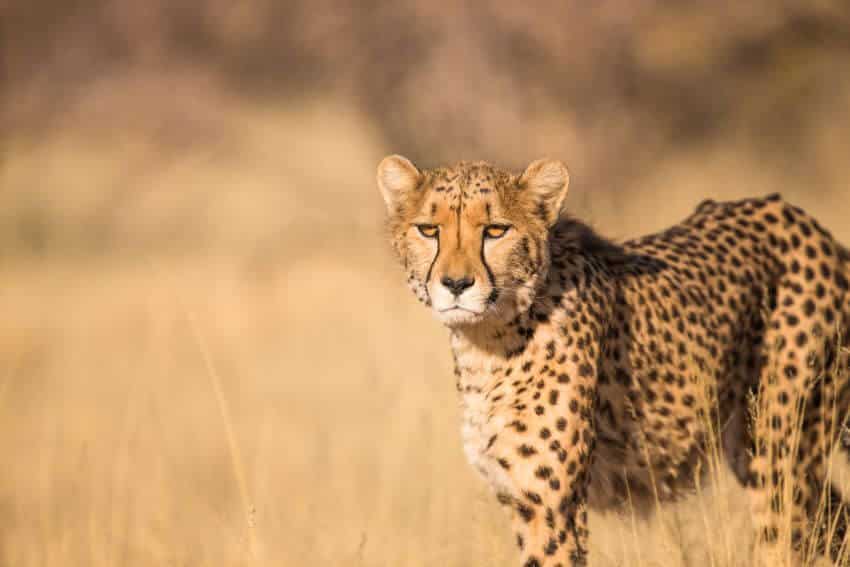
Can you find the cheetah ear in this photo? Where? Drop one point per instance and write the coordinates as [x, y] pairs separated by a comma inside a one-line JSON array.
[[397, 177], [545, 183]]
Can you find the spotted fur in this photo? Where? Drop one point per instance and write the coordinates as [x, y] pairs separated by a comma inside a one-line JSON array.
[[590, 373]]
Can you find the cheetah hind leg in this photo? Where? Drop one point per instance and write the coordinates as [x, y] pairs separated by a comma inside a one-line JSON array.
[[824, 431], [795, 424], [826, 510], [832, 419], [835, 509]]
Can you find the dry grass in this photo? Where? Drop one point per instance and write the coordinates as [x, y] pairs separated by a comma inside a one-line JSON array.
[[262, 389]]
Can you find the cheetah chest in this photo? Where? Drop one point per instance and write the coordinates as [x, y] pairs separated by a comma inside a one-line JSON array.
[[481, 426]]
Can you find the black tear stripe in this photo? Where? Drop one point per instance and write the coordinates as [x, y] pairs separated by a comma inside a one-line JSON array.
[[431, 267], [487, 208], [494, 295]]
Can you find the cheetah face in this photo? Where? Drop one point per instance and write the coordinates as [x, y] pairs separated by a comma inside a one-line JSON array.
[[472, 238]]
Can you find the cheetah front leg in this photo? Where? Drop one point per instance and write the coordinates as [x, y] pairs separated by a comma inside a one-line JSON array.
[[551, 474], [550, 516]]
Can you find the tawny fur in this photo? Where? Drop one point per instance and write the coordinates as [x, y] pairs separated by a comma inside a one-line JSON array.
[[589, 372]]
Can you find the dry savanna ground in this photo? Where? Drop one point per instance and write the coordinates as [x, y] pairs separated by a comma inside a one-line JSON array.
[[209, 357]]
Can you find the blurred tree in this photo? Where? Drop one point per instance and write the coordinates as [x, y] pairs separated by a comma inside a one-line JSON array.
[[618, 80]]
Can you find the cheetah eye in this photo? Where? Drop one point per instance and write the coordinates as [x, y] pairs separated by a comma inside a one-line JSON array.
[[496, 230], [428, 230]]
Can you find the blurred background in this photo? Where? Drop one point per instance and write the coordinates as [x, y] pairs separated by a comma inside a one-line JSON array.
[[207, 353]]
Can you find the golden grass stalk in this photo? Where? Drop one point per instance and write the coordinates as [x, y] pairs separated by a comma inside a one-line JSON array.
[[232, 444]]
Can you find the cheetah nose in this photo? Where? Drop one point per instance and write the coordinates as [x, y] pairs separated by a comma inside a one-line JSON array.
[[457, 286]]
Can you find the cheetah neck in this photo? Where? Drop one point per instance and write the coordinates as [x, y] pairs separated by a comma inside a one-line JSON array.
[[482, 352]]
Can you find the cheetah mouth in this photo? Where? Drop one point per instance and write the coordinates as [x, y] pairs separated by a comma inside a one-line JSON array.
[[459, 308]]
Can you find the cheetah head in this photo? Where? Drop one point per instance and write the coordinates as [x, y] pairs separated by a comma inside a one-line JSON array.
[[472, 238]]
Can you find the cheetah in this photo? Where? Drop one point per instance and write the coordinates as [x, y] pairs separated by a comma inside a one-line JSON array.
[[589, 372]]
